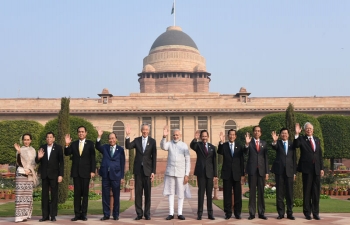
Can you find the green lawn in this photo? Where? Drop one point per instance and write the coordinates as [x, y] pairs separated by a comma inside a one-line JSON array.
[[95, 207], [326, 206]]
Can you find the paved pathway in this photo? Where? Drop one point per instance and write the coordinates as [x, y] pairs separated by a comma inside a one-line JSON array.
[[159, 210]]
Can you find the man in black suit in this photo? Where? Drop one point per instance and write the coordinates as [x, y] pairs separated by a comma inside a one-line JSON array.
[[205, 170], [232, 173], [50, 157], [284, 167], [311, 166], [257, 170], [144, 168], [111, 171], [82, 153]]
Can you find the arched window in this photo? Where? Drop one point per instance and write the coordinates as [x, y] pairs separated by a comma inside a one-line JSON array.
[[230, 124], [118, 128]]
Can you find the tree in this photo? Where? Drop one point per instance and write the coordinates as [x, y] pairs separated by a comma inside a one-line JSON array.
[[63, 129], [131, 160], [241, 138], [11, 132], [336, 135]]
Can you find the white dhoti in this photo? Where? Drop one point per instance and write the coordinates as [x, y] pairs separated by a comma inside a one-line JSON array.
[[174, 186]]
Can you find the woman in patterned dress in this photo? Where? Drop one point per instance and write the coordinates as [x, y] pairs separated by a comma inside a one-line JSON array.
[[26, 178]]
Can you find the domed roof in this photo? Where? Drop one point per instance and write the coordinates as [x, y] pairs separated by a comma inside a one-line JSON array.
[[174, 36]]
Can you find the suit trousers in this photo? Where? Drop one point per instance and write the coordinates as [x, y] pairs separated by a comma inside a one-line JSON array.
[[284, 189], [142, 184], [237, 194], [107, 184], [81, 195], [49, 208], [205, 185], [256, 182], [311, 193]]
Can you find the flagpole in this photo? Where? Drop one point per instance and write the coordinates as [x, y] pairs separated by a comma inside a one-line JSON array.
[[174, 12]]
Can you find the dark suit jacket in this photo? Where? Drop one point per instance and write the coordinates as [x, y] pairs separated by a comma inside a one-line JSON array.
[[85, 164], [283, 161], [257, 160], [232, 166], [115, 163], [53, 167], [148, 158], [205, 165], [308, 158]]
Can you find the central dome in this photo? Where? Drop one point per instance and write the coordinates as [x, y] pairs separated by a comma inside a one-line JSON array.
[[174, 36]]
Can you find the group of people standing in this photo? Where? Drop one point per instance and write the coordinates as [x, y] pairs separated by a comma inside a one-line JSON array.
[[82, 153]]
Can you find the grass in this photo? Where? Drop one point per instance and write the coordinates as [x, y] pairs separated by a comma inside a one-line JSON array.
[[326, 206], [95, 208]]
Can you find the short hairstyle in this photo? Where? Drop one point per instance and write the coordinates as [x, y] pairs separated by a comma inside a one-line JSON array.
[[308, 123], [284, 129], [204, 131], [81, 127], [228, 132], [145, 124], [112, 133], [27, 134], [256, 127], [50, 132], [176, 130]]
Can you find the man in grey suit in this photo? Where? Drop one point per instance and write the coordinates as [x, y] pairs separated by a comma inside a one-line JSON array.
[[177, 171]]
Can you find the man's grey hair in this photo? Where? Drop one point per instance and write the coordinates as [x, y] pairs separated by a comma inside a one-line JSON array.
[[145, 124], [308, 123], [176, 130]]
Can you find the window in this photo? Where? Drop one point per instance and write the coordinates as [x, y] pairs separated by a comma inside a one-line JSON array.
[[202, 123], [118, 129], [105, 100], [230, 124], [148, 120], [174, 124]]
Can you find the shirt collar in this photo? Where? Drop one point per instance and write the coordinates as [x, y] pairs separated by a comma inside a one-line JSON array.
[[82, 141]]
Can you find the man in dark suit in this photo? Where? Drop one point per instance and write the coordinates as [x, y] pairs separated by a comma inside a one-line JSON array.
[[205, 170], [144, 168], [311, 166], [257, 170], [232, 173], [284, 167], [111, 171], [50, 157], [82, 153]]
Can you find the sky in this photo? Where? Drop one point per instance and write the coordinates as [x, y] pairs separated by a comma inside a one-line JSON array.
[[273, 48]]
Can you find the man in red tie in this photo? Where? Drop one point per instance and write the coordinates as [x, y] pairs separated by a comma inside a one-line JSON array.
[[311, 166], [257, 170]]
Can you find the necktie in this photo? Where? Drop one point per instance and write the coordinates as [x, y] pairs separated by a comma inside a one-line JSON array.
[[205, 149], [257, 146], [81, 146], [285, 147], [111, 150], [312, 144], [231, 147]]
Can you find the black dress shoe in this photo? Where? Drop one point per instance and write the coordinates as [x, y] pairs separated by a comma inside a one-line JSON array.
[[280, 217], [238, 217], [83, 218], [170, 217], [75, 218], [227, 217], [43, 219], [317, 217], [115, 218], [291, 217], [104, 218], [147, 218], [199, 217], [263, 217], [53, 219], [308, 217], [211, 217], [181, 217], [251, 217], [138, 217]]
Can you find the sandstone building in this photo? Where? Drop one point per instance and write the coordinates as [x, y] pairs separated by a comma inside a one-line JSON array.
[[174, 91]]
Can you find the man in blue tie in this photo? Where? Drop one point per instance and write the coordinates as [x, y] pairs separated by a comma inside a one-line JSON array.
[[111, 171], [284, 167]]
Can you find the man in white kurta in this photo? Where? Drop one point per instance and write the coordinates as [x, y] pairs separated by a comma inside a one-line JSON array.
[[177, 171]]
